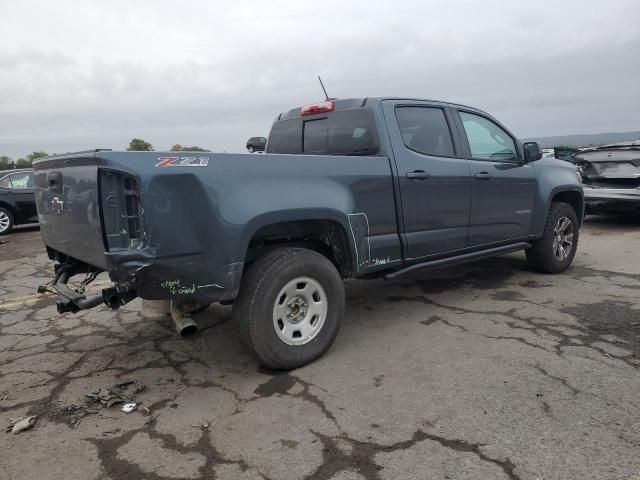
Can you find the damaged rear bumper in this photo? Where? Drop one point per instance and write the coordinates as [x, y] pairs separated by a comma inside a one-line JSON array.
[[70, 300], [612, 200], [189, 277], [183, 279]]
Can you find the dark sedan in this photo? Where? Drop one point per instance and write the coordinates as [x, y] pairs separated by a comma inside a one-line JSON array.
[[17, 199], [256, 144]]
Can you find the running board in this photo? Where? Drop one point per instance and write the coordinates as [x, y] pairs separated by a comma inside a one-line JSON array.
[[465, 257]]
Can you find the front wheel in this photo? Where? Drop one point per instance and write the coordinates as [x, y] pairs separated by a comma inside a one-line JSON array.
[[554, 252], [290, 307], [251, 149], [6, 221]]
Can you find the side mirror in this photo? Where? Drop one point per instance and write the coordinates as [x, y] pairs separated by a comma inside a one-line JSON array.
[[532, 151]]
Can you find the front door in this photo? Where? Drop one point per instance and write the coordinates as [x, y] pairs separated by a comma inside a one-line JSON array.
[[434, 181], [503, 187]]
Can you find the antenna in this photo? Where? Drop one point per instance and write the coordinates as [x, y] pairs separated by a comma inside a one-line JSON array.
[[323, 89]]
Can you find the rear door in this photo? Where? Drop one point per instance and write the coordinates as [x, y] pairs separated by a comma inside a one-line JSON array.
[[434, 178], [17, 188], [503, 187], [23, 190]]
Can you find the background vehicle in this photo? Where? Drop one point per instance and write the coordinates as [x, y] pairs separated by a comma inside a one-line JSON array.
[[17, 199], [360, 187], [256, 144], [610, 176]]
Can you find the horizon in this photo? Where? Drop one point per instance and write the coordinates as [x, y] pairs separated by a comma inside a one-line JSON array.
[[242, 150]]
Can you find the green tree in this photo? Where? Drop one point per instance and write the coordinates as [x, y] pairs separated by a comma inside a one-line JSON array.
[[23, 163], [27, 162], [139, 145], [6, 163], [181, 148], [36, 155]]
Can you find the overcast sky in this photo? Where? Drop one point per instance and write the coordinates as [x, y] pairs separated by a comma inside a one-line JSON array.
[[86, 74]]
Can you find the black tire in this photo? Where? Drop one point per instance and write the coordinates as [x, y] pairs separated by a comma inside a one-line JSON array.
[[7, 220], [250, 148], [253, 310], [541, 256]]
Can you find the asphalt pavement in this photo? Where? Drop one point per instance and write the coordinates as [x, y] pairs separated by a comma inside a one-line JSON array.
[[485, 371]]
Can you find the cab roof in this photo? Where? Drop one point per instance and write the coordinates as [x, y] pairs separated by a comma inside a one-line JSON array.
[[362, 102]]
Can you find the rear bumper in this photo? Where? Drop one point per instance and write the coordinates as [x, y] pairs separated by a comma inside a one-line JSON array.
[[181, 278], [613, 200], [613, 194]]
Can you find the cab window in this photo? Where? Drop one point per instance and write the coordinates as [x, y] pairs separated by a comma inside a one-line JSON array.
[[344, 132], [487, 141], [425, 130]]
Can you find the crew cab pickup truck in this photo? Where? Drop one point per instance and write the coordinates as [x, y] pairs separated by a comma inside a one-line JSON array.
[[351, 188]]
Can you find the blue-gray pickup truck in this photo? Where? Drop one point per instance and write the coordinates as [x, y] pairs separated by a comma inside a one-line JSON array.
[[350, 188]]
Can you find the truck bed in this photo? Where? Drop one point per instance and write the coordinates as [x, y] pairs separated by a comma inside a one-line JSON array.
[[178, 224]]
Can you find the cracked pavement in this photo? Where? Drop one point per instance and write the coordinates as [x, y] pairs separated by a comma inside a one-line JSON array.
[[487, 370]]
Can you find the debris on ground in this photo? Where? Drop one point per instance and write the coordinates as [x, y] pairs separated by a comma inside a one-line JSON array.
[[105, 397], [20, 424], [203, 426], [124, 392], [129, 407]]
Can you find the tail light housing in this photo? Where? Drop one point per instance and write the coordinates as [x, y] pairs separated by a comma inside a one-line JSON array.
[[121, 210], [315, 108]]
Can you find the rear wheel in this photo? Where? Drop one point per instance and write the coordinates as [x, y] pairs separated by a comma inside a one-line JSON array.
[[6, 221], [554, 252], [250, 148], [290, 307]]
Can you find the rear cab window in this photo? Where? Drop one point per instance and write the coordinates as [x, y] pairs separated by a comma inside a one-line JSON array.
[[425, 130], [350, 131]]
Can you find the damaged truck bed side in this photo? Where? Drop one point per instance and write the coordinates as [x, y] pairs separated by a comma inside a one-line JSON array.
[[354, 188]]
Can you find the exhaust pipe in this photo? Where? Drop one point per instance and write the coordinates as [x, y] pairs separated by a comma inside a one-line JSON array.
[[185, 326]]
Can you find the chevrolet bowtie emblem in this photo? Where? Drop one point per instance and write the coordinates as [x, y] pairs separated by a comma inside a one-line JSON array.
[[57, 205]]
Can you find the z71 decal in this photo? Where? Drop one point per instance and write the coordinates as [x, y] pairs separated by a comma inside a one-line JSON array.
[[182, 162]]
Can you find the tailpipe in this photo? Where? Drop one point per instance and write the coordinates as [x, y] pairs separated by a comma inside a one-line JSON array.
[[185, 325]]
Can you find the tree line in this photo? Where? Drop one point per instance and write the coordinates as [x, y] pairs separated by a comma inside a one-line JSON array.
[[8, 163], [139, 145], [136, 144]]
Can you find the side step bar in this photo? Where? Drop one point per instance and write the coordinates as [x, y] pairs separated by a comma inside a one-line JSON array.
[[465, 257]]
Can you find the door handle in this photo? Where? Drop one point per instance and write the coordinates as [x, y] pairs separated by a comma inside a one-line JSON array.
[[484, 176], [418, 175]]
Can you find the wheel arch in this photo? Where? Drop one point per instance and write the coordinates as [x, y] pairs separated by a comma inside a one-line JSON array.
[[9, 207], [12, 212], [573, 197], [324, 232]]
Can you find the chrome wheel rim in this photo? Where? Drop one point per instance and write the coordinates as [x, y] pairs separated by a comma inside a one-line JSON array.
[[299, 311], [4, 221], [563, 238]]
